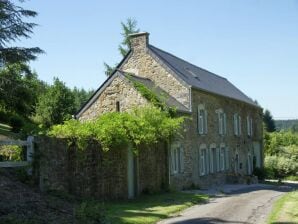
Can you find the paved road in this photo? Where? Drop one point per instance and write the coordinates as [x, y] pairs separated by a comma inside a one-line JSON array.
[[248, 205]]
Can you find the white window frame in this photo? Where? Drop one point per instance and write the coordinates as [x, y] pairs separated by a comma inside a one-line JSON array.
[[227, 158], [251, 127], [177, 159], [218, 159], [202, 117], [222, 158], [237, 125], [222, 123], [203, 160], [212, 158]]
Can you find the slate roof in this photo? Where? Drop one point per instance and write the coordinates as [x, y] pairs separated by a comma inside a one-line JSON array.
[[160, 93], [200, 78]]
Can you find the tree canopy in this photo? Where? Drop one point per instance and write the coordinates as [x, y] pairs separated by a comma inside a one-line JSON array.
[[128, 27], [268, 121], [12, 28], [56, 105]]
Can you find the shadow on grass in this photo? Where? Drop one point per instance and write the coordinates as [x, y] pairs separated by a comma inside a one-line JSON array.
[[151, 208], [207, 220]]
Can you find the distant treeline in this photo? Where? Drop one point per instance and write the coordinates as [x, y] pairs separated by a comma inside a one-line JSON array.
[[287, 125]]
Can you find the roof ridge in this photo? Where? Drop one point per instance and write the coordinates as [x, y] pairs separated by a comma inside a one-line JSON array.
[[187, 62]]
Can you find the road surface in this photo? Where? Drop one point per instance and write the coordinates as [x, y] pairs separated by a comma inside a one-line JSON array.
[[249, 205]]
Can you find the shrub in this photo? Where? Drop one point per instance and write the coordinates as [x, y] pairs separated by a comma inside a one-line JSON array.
[[90, 212], [11, 152], [280, 166], [16, 122], [146, 125], [260, 173]]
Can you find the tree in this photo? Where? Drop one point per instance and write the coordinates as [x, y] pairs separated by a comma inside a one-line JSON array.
[[81, 96], [56, 105], [19, 89], [129, 27], [268, 121], [12, 28]]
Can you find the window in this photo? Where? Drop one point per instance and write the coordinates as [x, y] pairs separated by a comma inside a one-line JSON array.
[[222, 129], [212, 158], [227, 158], [222, 159], [117, 106], [177, 159], [203, 161], [202, 120], [217, 159], [249, 165], [249, 126], [237, 125], [237, 164]]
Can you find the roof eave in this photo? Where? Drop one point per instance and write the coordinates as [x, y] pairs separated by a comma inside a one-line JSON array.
[[213, 93]]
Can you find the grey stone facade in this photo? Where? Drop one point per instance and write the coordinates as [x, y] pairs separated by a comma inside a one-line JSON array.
[[224, 155]]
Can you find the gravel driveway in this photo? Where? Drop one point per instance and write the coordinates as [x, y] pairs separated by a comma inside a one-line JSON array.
[[247, 204]]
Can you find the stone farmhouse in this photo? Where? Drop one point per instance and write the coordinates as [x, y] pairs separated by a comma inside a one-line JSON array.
[[222, 141]]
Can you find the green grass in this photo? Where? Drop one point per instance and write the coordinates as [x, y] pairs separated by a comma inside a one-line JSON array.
[[285, 209], [151, 208], [292, 178]]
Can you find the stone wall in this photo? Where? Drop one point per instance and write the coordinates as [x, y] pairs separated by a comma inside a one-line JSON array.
[[94, 173], [118, 90], [143, 64], [153, 168]]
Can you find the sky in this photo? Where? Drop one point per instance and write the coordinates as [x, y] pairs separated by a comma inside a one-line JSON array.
[[254, 44]]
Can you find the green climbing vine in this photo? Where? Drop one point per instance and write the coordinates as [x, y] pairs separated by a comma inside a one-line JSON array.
[[144, 125], [151, 96]]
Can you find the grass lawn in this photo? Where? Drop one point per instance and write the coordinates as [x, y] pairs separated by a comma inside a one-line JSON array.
[[285, 210], [151, 208]]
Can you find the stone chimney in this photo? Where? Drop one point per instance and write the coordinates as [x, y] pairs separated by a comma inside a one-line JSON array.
[[139, 41]]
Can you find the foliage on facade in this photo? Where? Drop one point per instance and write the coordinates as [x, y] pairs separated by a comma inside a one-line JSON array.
[[144, 125]]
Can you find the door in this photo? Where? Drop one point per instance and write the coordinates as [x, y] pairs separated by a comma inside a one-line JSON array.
[[257, 154], [130, 173], [249, 165]]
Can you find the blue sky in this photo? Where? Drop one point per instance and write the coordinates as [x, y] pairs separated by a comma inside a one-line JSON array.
[[254, 44]]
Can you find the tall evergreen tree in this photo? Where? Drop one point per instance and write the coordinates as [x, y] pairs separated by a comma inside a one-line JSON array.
[[129, 27], [268, 121], [12, 28]]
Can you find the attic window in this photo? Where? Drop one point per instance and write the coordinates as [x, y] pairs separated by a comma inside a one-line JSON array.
[[117, 106], [192, 73]]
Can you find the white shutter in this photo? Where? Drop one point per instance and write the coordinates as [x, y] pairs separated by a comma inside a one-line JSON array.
[[207, 161], [206, 122], [251, 127], [218, 159], [227, 159], [211, 161], [248, 125], [172, 161], [239, 119], [235, 124], [181, 160], [224, 123], [218, 115]]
